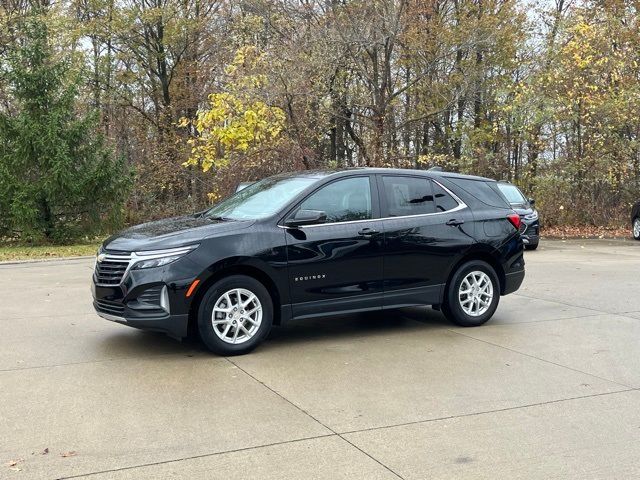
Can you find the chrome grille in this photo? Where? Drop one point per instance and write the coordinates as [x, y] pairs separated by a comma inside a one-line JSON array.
[[111, 267]]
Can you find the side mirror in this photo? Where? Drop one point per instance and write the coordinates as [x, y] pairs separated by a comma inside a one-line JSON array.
[[306, 217], [532, 202]]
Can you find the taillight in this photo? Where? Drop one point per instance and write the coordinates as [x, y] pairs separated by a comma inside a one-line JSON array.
[[514, 218]]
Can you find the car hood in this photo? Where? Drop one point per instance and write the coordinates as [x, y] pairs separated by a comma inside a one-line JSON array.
[[171, 232]]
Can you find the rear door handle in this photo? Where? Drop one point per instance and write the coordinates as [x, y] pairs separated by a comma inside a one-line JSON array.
[[455, 222], [368, 232]]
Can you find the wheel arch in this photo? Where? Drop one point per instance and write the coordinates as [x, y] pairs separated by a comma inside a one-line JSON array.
[[482, 255], [224, 269]]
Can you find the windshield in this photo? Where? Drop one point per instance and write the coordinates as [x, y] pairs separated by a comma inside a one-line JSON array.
[[513, 193], [261, 199]]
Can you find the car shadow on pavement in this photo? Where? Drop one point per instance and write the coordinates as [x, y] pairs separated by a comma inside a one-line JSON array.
[[138, 342], [131, 342]]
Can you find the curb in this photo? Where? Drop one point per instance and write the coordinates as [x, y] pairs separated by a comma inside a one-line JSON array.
[[42, 260]]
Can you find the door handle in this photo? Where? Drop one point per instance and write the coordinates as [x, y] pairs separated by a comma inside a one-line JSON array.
[[368, 232], [455, 222]]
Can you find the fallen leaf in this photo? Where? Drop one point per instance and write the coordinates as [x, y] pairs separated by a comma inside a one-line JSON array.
[[71, 453], [13, 463], [45, 451]]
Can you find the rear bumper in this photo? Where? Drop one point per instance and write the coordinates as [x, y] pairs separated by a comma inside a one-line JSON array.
[[512, 282]]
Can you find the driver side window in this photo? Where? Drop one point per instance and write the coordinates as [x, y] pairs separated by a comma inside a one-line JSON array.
[[343, 201]]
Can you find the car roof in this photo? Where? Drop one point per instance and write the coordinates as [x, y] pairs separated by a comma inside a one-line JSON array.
[[370, 170]]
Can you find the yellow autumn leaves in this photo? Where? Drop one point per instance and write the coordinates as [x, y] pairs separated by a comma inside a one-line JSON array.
[[235, 124]]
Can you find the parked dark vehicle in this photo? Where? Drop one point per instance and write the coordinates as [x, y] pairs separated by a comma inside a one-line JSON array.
[[635, 221], [311, 244], [525, 207]]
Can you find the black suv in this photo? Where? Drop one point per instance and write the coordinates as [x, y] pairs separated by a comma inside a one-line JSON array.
[[525, 207], [311, 244], [635, 221]]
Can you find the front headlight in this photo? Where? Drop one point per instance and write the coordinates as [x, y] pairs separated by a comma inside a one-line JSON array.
[[532, 216], [159, 258]]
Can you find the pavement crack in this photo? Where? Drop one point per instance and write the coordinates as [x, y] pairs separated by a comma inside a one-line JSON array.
[[341, 435], [386, 467], [601, 312], [89, 362], [299, 408], [485, 412], [538, 358], [194, 457]]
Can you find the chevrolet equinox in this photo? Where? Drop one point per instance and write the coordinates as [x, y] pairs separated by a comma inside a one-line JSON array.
[[315, 243]]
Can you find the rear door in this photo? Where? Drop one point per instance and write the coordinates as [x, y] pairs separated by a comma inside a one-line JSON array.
[[425, 230], [336, 266]]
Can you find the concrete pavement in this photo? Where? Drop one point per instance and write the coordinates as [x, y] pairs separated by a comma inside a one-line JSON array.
[[548, 389]]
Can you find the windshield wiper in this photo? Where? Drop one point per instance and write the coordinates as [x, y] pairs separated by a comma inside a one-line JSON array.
[[220, 218]]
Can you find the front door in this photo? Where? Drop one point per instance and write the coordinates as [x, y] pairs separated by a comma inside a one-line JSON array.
[[336, 266]]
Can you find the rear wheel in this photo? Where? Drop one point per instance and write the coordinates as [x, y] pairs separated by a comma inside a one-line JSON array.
[[531, 246], [235, 315], [472, 295], [636, 228]]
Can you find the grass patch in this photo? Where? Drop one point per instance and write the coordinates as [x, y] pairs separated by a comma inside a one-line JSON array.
[[36, 252]]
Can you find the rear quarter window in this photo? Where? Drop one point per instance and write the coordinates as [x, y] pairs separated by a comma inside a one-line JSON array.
[[444, 201], [486, 191]]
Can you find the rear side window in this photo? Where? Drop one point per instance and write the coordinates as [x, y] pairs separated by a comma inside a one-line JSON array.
[[343, 201], [512, 193], [485, 191], [444, 201], [407, 196]]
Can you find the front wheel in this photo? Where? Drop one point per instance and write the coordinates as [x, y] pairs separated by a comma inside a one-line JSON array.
[[235, 315], [472, 295], [636, 228], [531, 246]]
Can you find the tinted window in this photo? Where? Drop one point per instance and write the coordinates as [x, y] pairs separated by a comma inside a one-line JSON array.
[[485, 191], [512, 193], [342, 201], [407, 196], [444, 201]]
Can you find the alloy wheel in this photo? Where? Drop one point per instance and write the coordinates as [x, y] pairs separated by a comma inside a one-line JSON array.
[[475, 293], [236, 316], [636, 228]]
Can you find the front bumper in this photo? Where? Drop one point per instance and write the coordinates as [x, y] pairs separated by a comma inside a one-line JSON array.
[[149, 299], [530, 232], [173, 325]]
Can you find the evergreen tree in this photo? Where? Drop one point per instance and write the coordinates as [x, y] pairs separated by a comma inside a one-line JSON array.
[[58, 179]]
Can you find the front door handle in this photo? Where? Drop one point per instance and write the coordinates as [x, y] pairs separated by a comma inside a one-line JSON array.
[[368, 232], [455, 222]]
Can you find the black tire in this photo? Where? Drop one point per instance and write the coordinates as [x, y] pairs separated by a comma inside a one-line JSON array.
[[531, 246], [451, 306], [205, 312], [637, 237]]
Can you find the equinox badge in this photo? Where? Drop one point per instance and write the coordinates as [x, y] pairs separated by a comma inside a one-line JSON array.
[[309, 277]]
